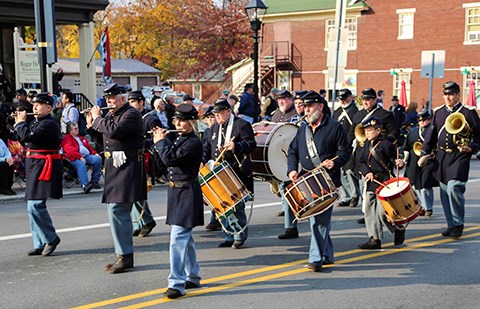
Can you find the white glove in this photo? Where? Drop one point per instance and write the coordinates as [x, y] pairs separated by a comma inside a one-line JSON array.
[[119, 158], [423, 160]]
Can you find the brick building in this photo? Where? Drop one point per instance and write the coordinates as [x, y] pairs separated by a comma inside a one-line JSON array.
[[385, 42]]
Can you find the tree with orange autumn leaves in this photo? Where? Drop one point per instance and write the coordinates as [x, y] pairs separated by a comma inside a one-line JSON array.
[[184, 38]]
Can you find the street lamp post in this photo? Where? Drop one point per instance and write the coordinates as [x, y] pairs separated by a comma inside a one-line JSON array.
[[255, 9]]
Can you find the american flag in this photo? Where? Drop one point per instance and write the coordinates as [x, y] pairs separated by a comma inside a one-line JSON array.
[[104, 49]]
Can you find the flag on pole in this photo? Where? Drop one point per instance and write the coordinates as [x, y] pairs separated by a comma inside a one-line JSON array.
[[403, 94], [103, 48], [471, 98]]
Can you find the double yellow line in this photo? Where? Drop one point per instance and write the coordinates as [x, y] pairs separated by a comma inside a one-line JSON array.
[[414, 243]]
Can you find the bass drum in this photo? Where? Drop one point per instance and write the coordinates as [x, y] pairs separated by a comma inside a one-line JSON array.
[[270, 157]]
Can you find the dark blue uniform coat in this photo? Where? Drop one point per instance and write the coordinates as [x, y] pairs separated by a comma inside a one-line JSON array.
[[453, 165], [330, 141], [123, 131], [182, 157], [43, 134], [382, 166]]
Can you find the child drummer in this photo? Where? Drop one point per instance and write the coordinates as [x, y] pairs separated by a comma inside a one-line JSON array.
[[377, 160]]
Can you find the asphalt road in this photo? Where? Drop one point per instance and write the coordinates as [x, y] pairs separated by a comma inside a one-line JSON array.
[[430, 271]]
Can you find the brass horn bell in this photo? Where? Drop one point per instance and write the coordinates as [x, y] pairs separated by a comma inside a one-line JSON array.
[[360, 134], [417, 148], [457, 125]]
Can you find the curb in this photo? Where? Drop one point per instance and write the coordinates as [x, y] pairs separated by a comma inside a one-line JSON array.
[[67, 192]]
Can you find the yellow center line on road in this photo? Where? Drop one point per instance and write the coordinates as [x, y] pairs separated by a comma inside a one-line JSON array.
[[413, 244]]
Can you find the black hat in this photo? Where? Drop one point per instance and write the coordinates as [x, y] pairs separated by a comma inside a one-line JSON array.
[[298, 94], [113, 89], [186, 112], [32, 93], [344, 93], [136, 95], [21, 91], [394, 98], [369, 93], [188, 97], [423, 115], [220, 105], [406, 124], [248, 86], [284, 93], [44, 98], [208, 112], [313, 97], [372, 121], [451, 88]]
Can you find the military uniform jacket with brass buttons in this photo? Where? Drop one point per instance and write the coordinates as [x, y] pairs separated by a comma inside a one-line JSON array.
[[183, 156], [41, 134], [382, 165], [330, 141], [123, 131], [389, 129], [420, 177], [452, 163], [278, 116], [244, 145]]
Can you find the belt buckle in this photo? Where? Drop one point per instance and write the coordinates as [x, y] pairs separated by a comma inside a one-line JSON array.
[[171, 184], [107, 154]]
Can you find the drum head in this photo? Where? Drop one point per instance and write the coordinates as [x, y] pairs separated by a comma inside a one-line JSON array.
[[393, 187], [278, 150]]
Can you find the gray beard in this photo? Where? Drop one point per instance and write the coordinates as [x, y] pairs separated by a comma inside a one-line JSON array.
[[313, 118]]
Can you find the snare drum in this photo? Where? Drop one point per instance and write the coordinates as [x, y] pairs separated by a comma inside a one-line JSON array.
[[311, 194], [270, 157], [222, 189], [399, 201]]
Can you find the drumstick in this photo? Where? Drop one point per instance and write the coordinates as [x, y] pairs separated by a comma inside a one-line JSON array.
[[398, 169], [222, 153], [378, 182]]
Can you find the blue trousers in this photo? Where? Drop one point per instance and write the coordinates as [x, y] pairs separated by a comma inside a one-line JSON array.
[[147, 216], [41, 224], [350, 187], [320, 244], [234, 223], [183, 259], [121, 227], [426, 198], [289, 216], [375, 216], [81, 169], [453, 202]]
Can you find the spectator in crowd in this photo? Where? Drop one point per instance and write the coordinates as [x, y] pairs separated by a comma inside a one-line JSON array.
[[78, 151], [398, 111], [233, 100], [225, 94], [56, 79], [411, 113], [380, 97], [69, 113], [270, 104], [246, 111], [31, 94], [6, 170]]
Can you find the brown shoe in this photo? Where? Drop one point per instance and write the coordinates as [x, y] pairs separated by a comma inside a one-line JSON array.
[[354, 202], [50, 247], [122, 263], [147, 229]]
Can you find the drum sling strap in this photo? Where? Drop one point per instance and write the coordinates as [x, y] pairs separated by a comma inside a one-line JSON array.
[[312, 150], [376, 156]]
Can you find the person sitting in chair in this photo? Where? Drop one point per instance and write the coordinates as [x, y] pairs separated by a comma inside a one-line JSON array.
[[77, 150]]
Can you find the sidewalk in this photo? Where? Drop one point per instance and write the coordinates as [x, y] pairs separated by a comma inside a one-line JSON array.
[[20, 189]]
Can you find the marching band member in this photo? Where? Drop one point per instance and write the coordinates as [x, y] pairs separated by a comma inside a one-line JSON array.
[[350, 191], [285, 109], [125, 181], [376, 165], [370, 108], [143, 222], [421, 177], [317, 143], [235, 135], [290, 224], [44, 171], [182, 156], [453, 158]]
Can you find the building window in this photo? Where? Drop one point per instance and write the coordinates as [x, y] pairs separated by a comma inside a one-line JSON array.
[[401, 74], [472, 24], [197, 91], [473, 75], [405, 24], [351, 25]]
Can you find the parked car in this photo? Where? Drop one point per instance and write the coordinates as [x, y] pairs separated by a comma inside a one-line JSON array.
[[148, 92], [199, 104]]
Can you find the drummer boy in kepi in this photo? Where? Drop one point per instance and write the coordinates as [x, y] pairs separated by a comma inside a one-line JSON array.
[[376, 164]]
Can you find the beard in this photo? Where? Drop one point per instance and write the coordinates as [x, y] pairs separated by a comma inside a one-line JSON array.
[[314, 117], [282, 108]]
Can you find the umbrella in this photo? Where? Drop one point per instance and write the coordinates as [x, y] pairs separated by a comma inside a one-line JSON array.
[[403, 95], [471, 99]]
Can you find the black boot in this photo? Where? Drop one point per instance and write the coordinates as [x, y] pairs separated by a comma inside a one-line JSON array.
[[122, 263], [289, 233], [371, 244], [399, 237]]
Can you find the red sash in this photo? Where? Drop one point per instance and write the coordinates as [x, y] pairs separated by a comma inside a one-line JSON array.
[[48, 156]]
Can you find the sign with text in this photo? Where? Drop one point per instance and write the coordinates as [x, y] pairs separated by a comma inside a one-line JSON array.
[[29, 67]]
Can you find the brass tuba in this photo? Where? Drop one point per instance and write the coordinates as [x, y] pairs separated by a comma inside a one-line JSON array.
[[457, 125], [417, 148], [360, 134]]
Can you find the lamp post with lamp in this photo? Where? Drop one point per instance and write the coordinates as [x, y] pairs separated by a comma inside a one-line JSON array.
[[255, 10]]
